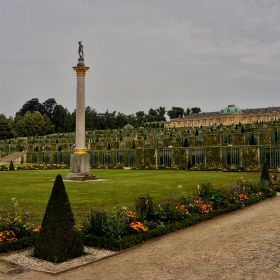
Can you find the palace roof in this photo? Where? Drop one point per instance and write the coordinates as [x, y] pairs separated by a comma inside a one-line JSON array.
[[232, 110]]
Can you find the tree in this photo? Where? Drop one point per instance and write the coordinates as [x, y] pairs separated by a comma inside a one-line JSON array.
[[62, 119], [133, 146], [32, 124], [265, 177], [5, 129], [38, 124], [195, 110], [121, 120], [140, 117], [161, 111], [11, 167], [49, 106], [186, 143], [58, 239], [150, 117], [252, 140], [49, 126], [132, 120], [31, 106], [187, 112], [176, 112], [23, 125], [109, 120], [90, 118]]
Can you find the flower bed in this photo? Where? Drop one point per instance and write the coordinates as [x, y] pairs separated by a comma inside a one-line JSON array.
[[122, 229], [15, 231], [205, 167], [36, 167]]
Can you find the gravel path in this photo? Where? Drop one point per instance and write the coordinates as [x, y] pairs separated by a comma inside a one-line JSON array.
[[241, 245]]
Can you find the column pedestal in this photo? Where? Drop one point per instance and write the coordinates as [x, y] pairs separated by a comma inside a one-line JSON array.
[[80, 168]]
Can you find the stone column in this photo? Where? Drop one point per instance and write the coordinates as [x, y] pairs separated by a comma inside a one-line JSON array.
[[80, 160], [80, 107]]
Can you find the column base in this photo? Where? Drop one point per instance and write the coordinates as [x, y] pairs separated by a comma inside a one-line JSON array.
[[80, 168], [80, 177]]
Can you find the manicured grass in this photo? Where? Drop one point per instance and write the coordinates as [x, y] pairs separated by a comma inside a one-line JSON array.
[[32, 188]]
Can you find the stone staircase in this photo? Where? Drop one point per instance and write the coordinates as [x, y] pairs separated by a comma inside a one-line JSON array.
[[15, 157]]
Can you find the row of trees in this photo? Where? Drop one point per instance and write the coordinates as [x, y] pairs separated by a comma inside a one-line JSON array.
[[35, 118]]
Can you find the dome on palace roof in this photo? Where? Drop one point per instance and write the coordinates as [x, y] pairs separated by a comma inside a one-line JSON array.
[[128, 126], [231, 109]]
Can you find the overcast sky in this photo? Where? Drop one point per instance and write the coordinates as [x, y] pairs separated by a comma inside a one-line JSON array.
[[142, 54]]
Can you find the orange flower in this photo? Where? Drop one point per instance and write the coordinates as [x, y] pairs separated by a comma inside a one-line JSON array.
[[206, 208], [7, 235], [138, 226], [35, 230], [243, 196]]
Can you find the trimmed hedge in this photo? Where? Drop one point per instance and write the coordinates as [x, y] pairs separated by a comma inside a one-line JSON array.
[[20, 244]]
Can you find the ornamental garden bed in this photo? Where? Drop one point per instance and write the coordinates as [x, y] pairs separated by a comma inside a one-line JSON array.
[[118, 230], [148, 218]]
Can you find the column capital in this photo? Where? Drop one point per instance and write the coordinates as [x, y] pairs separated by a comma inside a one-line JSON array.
[[80, 152], [80, 70]]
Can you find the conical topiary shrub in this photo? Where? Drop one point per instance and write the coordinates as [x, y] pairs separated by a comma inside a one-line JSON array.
[[252, 140], [58, 240], [186, 143], [11, 168], [265, 177], [133, 146]]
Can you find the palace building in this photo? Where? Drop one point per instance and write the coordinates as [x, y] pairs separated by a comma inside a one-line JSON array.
[[228, 116]]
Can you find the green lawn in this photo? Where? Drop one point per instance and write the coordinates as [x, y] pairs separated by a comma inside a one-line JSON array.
[[32, 188]]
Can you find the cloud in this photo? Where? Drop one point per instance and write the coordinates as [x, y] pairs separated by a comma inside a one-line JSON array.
[[142, 54]]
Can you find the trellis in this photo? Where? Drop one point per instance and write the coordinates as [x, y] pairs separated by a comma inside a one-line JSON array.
[[196, 155], [106, 157], [131, 158], [120, 156], [231, 155], [93, 157], [271, 155], [164, 157]]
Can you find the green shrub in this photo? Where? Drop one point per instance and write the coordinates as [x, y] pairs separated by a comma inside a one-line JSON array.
[[15, 220], [106, 224], [265, 177], [3, 167], [11, 167], [143, 207], [19, 244], [58, 240]]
